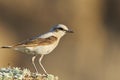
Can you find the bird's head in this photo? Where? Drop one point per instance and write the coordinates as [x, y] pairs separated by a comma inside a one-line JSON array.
[[60, 30]]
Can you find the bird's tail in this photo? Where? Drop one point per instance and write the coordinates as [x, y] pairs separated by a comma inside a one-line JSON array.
[[6, 47]]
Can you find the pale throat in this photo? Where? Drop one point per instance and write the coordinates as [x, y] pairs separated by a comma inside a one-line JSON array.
[[59, 34]]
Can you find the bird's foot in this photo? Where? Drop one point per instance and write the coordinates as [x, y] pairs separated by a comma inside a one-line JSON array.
[[45, 75], [35, 74]]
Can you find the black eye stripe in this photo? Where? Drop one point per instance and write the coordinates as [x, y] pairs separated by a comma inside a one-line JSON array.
[[61, 29]]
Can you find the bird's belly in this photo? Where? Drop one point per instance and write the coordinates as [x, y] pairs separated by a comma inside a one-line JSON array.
[[44, 49]]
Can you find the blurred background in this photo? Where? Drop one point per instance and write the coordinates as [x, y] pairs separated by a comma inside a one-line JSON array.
[[91, 53]]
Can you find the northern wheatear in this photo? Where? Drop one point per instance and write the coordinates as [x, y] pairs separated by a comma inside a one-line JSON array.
[[41, 44]]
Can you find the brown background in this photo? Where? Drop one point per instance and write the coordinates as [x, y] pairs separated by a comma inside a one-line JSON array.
[[91, 53]]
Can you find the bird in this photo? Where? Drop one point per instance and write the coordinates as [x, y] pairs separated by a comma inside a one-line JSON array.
[[41, 44]]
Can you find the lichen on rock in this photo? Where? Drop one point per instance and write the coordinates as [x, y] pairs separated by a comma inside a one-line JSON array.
[[16, 73]]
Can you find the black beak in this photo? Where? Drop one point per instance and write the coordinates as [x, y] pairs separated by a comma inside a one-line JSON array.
[[69, 31]]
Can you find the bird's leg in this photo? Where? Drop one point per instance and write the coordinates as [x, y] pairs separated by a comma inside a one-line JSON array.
[[40, 59], [33, 62]]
